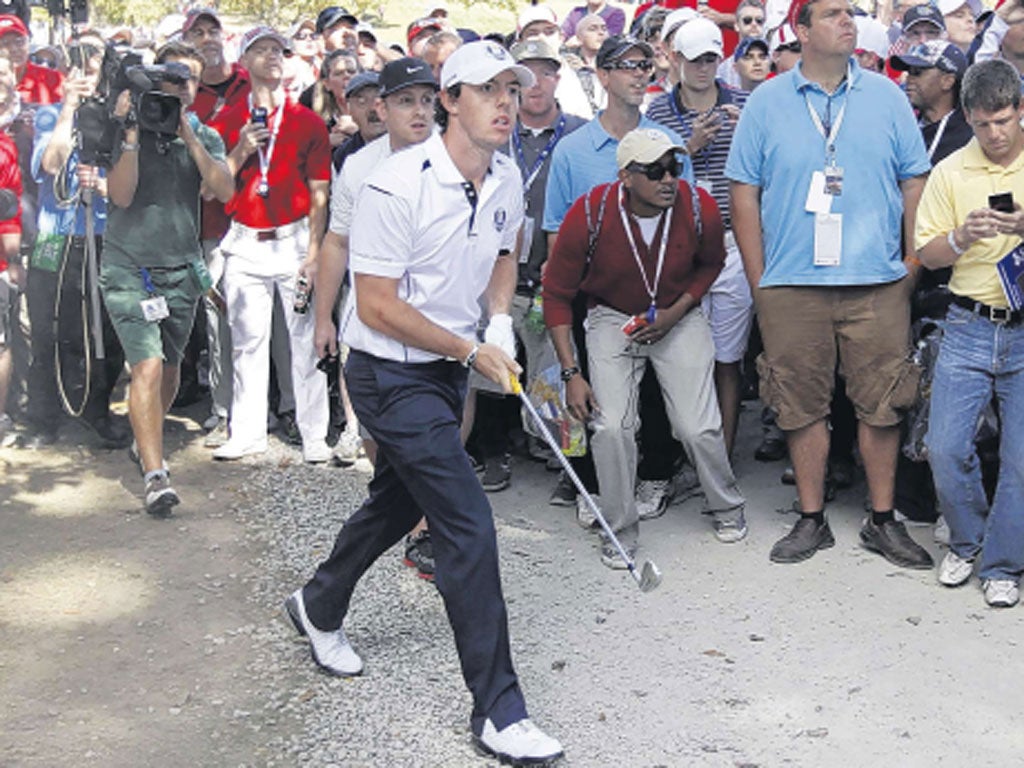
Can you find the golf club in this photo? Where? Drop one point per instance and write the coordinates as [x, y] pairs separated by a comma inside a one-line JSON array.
[[648, 577]]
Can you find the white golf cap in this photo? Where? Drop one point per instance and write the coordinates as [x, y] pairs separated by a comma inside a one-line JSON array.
[[697, 37], [536, 13], [479, 62], [643, 145], [676, 19], [946, 7], [872, 36]]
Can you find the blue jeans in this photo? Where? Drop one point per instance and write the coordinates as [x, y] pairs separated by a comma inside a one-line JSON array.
[[979, 359]]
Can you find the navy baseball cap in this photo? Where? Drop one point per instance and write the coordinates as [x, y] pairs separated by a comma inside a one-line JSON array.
[[360, 81], [617, 46], [404, 73], [924, 14], [750, 42], [328, 17], [940, 54]]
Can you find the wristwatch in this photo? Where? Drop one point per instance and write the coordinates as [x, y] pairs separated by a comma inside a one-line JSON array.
[[126, 147], [568, 373], [471, 357]]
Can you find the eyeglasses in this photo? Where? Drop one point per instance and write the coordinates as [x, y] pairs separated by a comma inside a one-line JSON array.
[[630, 65], [791, 47], [657, 171], [304, 36], [752, 20]]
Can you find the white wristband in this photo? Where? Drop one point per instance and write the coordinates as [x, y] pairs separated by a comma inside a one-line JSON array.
[[951, 239]]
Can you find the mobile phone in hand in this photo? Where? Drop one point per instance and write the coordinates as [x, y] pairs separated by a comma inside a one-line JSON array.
[[1002, 202], [258, 117]]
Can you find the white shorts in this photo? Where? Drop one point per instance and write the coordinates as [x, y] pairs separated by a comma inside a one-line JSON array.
[[729, 307]]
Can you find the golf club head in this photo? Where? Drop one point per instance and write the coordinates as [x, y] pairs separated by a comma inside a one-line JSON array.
[[650, 577]]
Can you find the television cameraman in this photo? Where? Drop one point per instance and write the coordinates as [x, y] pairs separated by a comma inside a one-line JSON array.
[[153, 271]]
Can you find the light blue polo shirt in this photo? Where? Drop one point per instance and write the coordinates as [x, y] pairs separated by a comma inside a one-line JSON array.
[[777, 147], [584, 159]]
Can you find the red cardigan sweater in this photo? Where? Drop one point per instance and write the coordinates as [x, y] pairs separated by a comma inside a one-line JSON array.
[[612, 277]]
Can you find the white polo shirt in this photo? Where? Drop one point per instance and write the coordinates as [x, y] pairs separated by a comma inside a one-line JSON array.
[[350, 179], [414, 222]]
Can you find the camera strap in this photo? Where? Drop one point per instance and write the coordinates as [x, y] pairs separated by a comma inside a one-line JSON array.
[[265, 155]]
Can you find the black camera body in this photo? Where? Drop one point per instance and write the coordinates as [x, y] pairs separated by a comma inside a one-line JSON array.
[[152, 110]]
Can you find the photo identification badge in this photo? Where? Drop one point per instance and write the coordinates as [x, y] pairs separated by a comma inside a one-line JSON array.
[[527, 242], [818, 198], [154, 309], [828, 239]]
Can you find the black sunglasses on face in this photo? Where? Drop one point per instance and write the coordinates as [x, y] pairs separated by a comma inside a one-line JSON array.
[[657, 171], [752, 20], [644, 65]]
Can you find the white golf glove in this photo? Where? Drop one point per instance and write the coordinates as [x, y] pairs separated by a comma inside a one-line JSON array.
[[499, 332]]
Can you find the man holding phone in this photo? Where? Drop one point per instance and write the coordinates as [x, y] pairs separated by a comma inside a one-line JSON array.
[[280, 155], [960, 223], [659, 248]]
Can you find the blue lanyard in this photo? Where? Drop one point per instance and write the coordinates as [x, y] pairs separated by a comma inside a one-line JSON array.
[[147, 282], [544, 153]]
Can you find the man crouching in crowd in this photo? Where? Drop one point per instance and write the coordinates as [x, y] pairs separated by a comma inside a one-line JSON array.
[[153, 272]]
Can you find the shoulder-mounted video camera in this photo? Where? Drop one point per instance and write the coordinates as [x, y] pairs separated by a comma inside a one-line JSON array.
[[152, 110]]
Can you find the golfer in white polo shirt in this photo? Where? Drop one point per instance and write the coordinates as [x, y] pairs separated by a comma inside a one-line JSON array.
[[434, 230]]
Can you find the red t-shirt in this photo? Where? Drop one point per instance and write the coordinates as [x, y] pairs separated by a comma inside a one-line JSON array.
[[302, 154], [40, 85], [612, 277], [729, 36], [210, 103], [10, 178]]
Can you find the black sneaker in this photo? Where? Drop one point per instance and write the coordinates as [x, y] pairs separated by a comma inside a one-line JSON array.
[[565, 492], [111, 433], [806, 538], [497, 474], [771, 449], [419, 554], [288, 428], [892, 541]]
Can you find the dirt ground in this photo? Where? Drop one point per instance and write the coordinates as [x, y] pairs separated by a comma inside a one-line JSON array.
[[128, 641]]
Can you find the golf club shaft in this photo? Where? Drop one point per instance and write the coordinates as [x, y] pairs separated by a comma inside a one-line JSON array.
[[550, 440]]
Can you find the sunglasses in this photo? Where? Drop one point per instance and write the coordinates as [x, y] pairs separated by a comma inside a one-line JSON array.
[[657, 171], [791, 47], [917, 71], [644, 65], [752, 20]]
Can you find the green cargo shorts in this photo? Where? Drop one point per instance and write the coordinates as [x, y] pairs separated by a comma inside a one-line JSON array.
[[123, 292]]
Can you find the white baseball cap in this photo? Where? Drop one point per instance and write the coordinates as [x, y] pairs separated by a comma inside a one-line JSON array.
[[478, 62], [676, 19], [536, 13], [697, 37], [872, 36], [946, 7]]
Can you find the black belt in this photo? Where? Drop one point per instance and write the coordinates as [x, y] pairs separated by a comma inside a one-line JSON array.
[[1000, 315]]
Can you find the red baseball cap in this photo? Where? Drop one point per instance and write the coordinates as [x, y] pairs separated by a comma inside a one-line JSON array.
[[13, 24]]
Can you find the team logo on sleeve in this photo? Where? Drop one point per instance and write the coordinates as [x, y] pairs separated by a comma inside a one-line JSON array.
[[500, 217]]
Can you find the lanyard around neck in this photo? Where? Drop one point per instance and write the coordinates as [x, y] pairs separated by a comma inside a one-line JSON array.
[[517, 145], [833, 132], [938, 135], [666, 219], [265, 155]]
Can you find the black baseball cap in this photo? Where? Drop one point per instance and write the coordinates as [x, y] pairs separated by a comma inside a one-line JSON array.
[[404, 73], [328, 17], [361, 81], [617, 46]]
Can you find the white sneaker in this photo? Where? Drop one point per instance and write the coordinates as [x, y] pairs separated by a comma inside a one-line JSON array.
[[520, 743], [1001, 593], [941, 533], [729, 526], [651, 498], [684, 485], [330, 650], [954, 570], [349, 446], [317, 452], [584, 516], [233, 449]]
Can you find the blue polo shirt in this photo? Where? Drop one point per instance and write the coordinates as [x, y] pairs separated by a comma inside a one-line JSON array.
[[584, 159], [777, 147]]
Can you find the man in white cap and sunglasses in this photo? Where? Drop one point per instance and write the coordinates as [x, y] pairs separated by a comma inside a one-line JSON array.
[[435, 229], [658, 250]]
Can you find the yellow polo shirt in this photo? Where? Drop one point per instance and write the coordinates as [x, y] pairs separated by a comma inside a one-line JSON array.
[[958, 185]]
